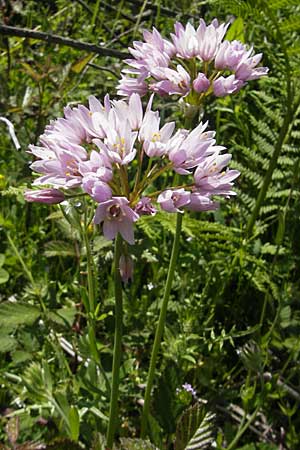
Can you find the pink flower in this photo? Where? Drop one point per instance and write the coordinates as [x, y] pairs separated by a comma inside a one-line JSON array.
[[185, 40], [201, 83], [145, 208], [224, 86], [187, 149], [154, 65], [117, 217], [154, 139], [247, 70], [58, 162], [172, 81], [171, 200], [49, 196], [210, 38], [210, 178], [200, 202]]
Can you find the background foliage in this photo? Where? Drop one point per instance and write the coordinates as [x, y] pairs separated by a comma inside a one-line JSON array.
[[234, 317]]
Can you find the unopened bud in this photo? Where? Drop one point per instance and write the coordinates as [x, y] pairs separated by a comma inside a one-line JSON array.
[[126, 268]]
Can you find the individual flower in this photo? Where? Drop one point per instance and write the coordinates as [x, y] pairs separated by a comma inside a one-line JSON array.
[[117, 217], [145, 207], [153, 138], [211, 177], [49, 196], [210, 38], [187, 149], [200, 202], [224, 86], [201, 83], [173, 200], [58, 162]]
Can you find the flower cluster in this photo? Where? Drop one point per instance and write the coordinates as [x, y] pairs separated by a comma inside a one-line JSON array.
[[115, 152], [193, 63]]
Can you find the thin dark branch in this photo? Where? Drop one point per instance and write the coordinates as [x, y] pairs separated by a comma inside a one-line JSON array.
[[55, 39]]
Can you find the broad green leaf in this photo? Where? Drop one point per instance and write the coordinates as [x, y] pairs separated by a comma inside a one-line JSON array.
[[13, 314], [236, 31], [7, 343], [4, 276]]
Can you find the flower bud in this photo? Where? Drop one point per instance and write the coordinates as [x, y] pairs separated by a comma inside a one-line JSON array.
[[201, 83], [49, 196], [126, 268]]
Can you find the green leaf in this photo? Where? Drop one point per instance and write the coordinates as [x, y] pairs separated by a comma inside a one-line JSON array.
[[4, 276], [7, 343], [236, 31], [59, 248], [194, 430], [13, 314], [74, 423], [80, 65], [136, 444], [2, 258], [63, 444]]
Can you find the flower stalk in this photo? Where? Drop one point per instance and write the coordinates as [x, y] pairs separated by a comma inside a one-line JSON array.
[[160, 326], [113, 411]]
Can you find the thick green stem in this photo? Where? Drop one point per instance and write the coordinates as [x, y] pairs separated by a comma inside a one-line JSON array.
[[113, 411], [160, 326]]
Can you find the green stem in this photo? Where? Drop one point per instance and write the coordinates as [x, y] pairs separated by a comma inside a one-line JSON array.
[[91, 306], [28, 273], [243, 427], [113, 411], [160, 326], [90, 264]]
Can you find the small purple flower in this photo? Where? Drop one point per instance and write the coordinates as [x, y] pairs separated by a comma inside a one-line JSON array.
[[173, 81], [189, 388], [229, 85], [49, 196], [210, 37], [247, 70], [201, 83], [187, 149], [154, 139], [200, 202], [145, 208], [117, 217], [185, 40], [211, 178], [126, 268], [171, 200]]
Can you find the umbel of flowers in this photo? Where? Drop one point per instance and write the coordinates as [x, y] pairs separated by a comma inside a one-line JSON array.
[[193, 63], [115, 153]]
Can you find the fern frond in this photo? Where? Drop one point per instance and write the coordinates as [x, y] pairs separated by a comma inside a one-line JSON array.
[[195, 429]]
